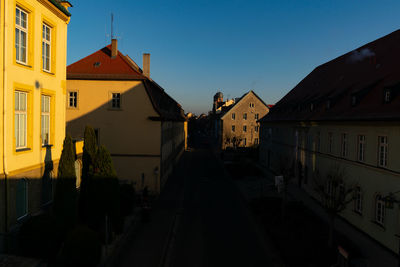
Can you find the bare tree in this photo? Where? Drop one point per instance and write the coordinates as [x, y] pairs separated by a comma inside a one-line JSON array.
[[334, 193]]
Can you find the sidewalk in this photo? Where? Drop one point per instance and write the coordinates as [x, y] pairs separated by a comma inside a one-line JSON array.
[[376, 254], [147, 243]]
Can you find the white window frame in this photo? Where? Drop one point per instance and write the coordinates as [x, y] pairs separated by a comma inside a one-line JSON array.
[[379, 210], [361, 148], [358, 200], [244, 116], [256, 116], [117, 100], [74, 99], [382, 151], [344, 145], [45, 113], [46, 45], [233, 116], [20, 112], [21, 28]]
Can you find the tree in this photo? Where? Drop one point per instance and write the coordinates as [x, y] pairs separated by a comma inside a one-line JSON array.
[[334, 193], [65, 195], [89, 152]]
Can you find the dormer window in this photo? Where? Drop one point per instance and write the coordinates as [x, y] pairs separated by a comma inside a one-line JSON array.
[[353, 100], [387, 96]]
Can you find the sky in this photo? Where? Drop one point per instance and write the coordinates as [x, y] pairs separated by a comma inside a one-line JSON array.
[[200, 47]]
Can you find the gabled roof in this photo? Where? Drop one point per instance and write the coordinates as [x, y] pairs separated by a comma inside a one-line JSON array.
[[232, 107], [100, 66], [350, 87]]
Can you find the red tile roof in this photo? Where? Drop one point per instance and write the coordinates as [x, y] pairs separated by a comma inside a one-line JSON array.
[[353, 84], [100, 66]]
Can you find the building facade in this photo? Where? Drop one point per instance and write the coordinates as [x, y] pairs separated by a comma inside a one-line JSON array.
[[33, 42], [237, 125], [133, 117], [345, 114]]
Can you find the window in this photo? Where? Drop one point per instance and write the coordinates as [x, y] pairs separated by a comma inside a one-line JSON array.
[[387, 96], [252, 105], [379, 210], [256, 129], [244, 128], [344, 145], [21, 35], [382, 151], [21, 202], [233, 116], [20, 119], [256, 141], [361, 148], [244, 141], [330, 142], [45, 120], [245, 116], [73, 100], [233, 128], [46, 47], [358, 200], [256, 116], [116, 100]]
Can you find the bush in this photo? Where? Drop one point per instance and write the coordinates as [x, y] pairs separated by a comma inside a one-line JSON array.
[[39, 238], [66, 195], [82, 247]]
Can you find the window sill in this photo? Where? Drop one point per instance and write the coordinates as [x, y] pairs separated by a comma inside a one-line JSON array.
[[359, 213], [22, 149], [73, 108], [23, 64], [381, 226], [48, 72]]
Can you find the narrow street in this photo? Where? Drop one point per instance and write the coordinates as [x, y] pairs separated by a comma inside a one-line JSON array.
[[200, 220]]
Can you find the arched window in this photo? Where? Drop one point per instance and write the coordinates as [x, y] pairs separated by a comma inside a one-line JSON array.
[[379, 209]]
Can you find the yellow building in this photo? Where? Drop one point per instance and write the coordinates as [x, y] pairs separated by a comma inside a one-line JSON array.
[[33, 40], [136, 120]]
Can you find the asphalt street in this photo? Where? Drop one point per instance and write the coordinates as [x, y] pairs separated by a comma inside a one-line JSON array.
[[215, 227], [200, 220]]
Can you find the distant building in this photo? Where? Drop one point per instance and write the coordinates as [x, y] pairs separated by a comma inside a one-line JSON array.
[[138, 122], [346, 113], [236, 122]]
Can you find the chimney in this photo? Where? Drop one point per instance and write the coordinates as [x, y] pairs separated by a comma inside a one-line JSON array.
[[146, 65], [114, 48]]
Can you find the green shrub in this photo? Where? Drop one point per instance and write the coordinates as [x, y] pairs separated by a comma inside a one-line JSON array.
[[82, 247], [66, 195]]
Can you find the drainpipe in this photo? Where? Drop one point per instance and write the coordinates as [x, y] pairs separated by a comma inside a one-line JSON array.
[[4, 120]]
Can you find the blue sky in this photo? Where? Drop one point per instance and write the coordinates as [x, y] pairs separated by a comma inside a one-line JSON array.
[[199, 47]]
